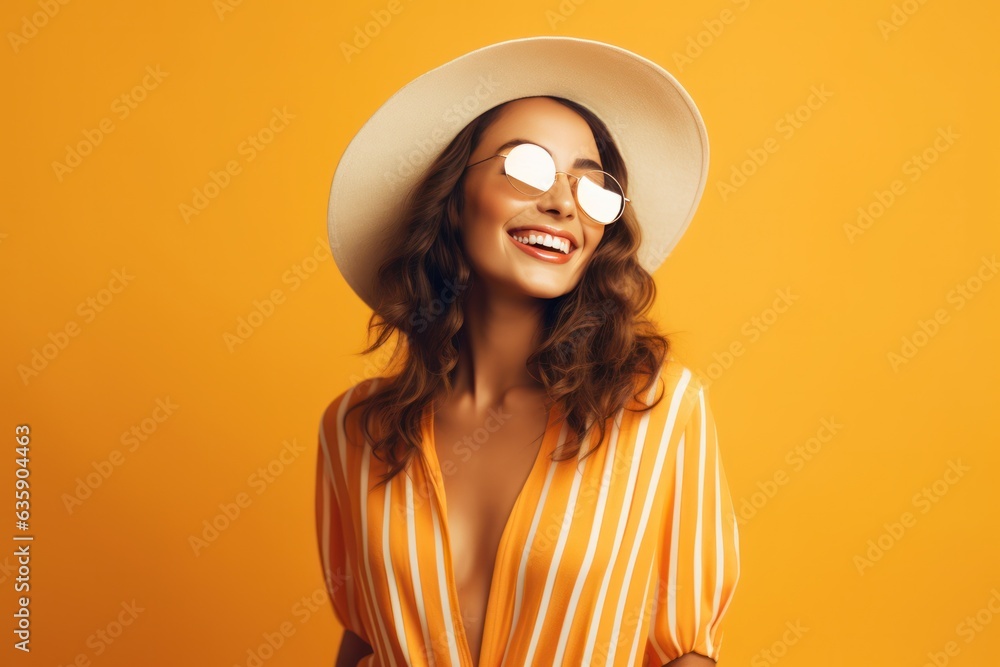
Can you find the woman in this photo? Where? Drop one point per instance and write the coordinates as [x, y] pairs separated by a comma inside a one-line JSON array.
[[562, 498]]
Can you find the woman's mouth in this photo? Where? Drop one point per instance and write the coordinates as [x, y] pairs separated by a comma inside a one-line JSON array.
[[543, 246]]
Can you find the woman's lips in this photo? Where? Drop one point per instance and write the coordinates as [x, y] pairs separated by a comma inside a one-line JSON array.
[[562, 237], [544, 254]]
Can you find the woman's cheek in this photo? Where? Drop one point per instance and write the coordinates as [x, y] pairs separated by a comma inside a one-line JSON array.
[[495, 211]]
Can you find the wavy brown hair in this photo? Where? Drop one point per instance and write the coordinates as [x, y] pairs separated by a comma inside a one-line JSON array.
[[597, 346]]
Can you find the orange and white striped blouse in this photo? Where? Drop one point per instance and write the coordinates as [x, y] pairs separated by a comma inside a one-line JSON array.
[[628, 559]]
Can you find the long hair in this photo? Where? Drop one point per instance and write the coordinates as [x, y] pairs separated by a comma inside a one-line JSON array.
[[597, 345]]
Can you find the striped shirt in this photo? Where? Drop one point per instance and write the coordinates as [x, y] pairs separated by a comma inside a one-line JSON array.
[[628, 557]]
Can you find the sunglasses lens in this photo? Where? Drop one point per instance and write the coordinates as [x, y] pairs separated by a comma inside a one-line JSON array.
[[530, 169], [600, 196]]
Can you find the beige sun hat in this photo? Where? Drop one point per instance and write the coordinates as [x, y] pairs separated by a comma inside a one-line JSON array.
[[652, 119]]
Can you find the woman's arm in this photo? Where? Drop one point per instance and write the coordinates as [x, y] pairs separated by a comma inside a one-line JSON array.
[[352, 649]]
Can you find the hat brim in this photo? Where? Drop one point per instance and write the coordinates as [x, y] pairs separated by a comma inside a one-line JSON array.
[[652, 119]]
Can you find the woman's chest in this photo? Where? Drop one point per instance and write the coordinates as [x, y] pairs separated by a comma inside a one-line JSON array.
[[484, 464], [442, 527]]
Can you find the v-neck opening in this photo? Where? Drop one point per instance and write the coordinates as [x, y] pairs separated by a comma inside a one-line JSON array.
[[441, 499]]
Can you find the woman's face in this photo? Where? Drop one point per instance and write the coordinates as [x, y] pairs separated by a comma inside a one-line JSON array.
[[495, 211]]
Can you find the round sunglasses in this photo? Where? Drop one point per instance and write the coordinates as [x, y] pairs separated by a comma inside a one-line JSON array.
[[532, 171]]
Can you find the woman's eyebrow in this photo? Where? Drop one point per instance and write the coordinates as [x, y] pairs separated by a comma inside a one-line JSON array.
[[579, 163]]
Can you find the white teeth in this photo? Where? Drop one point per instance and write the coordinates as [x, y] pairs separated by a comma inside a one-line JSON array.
[[546, 240]]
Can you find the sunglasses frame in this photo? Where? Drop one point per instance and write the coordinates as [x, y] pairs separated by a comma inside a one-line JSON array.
[[557, 172]]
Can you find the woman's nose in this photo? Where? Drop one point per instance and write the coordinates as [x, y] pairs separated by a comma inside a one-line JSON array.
[[559, 198]]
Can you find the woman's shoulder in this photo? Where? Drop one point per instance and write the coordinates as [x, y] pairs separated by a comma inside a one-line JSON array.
[[349, 397], [677, 372], [679, 384]]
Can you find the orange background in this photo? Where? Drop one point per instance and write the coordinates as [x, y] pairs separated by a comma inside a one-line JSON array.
[[889, 76]]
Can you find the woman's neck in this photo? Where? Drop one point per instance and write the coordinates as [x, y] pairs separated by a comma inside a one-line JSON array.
[[499, 332]]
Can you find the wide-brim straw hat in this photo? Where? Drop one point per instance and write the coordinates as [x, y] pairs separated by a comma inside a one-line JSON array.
[[652, 119]]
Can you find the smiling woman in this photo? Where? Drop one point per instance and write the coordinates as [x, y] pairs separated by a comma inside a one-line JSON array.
[[591, 522], [496, 214]]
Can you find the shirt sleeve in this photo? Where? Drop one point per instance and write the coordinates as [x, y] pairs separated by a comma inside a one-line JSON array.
[[699, 563], [341, 584]]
